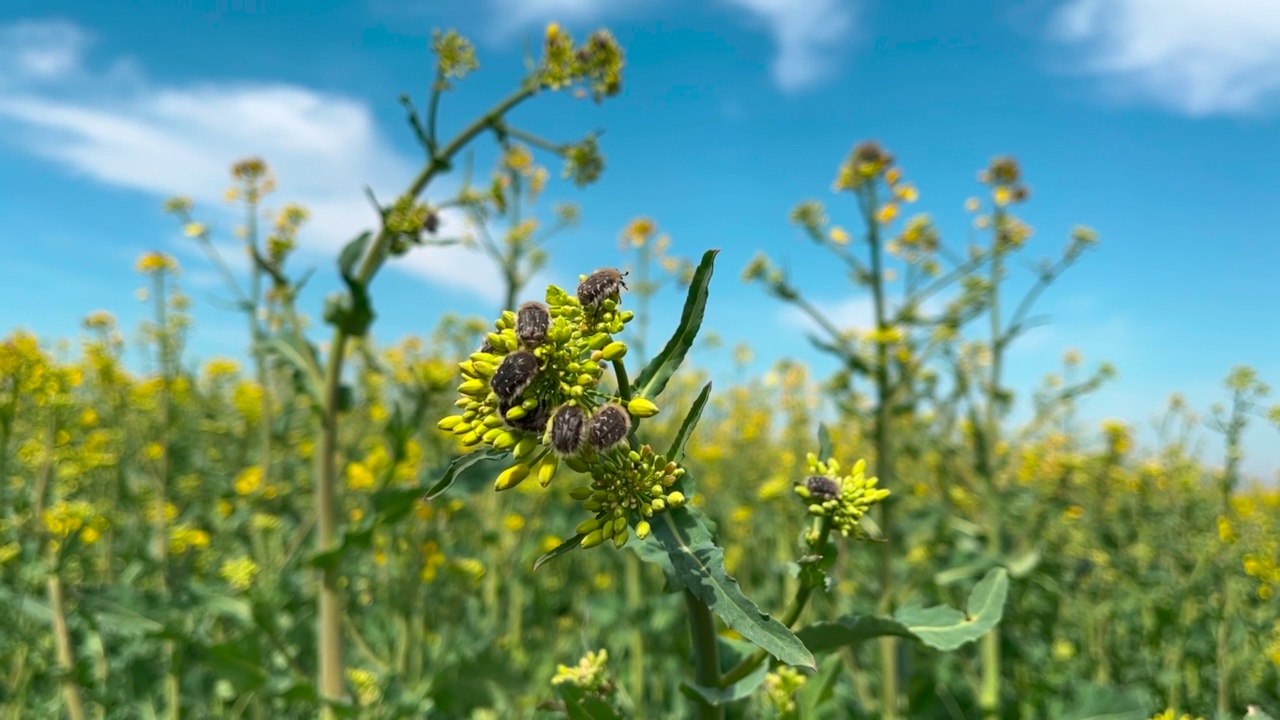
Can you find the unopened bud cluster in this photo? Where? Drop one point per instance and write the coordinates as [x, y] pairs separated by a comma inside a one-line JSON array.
[[843, 500], [627, 486]]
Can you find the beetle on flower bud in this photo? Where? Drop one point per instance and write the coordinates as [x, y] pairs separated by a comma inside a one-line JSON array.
[[521, 418], [822, 488], [601, 284], [608, 426], [567, 428], [532, 322], [513, 376]]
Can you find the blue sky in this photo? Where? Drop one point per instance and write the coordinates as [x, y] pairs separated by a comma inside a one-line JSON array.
[[1153, 121]]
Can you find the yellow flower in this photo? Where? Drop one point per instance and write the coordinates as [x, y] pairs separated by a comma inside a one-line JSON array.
[[359, 478], [887, 213], [155, 262], [248, 480], [1001, 196], [907, 193], [9, 552], [90, 535], [239, 572], [154, 451], [89, 417], [225, 508], [839, 235], [513, 522]]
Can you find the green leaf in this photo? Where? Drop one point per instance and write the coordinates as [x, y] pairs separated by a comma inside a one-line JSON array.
[[1100, 702], [824, 442], [723, 696], [294, 350], [850, 630], [392, 504], [700, 564], [564, 547], [940, 627], [819, 688], [947, 629], [229, 661], [653, 379], [650, 551], [579, 705], [354, 311], [690, 422], [460, 464]]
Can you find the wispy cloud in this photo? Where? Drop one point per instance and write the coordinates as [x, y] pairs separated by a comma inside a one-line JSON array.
[[1199, 57], [40, 50], [808, 35], [324, 147]]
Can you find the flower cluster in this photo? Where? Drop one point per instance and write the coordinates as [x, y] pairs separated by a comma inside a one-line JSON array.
[[597, 62], [843, 500], [533, 388], [626, 486], [780, 688], [589, 674]]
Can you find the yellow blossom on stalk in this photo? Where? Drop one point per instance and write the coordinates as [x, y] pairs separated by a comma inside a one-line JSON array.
[[887, 213], [225, 508], [153, 451], [1225, 532], [359, 478], [907, 193], [239, 572], [88, 418], [893, 176], [1001, 196], [218, 368], [780, 688], [839, 235], [844, 499], [65, 518], [264, 521], [153, 262], [249, 480], [470, 567], [513, 522], [1168, 715], [639, 231], [366, 686], [90, 535], [9, 551], [422, 509], [432, 559], [588, 674], [183, 537]]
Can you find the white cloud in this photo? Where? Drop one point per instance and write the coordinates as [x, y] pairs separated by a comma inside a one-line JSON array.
[[808, 34], [163, 141], [40, 50], [1199, 57]]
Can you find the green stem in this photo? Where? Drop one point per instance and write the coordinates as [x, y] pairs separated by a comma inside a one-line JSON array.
[[329, 617], [635, 637], [706, 654]]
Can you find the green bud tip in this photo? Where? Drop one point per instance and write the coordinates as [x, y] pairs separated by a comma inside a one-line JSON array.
[[614, 351], [593, 538]]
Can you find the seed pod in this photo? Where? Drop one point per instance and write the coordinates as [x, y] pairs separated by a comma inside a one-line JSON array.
[[822, 488], [513, 376], [568, 426], [534, 421], [601, 284], [532, 322], [608, 426]]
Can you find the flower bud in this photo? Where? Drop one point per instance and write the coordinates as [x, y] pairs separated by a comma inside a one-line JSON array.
[[676, 499], [587, 526], [512, 477], [642, 407], [526, 445], [547, 470], [614, 350], [492, 434], [474, 388], [505, 440], [642, 529], [620, 539], [580, 493], [450, 422], [593, 538], [576, 464]]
